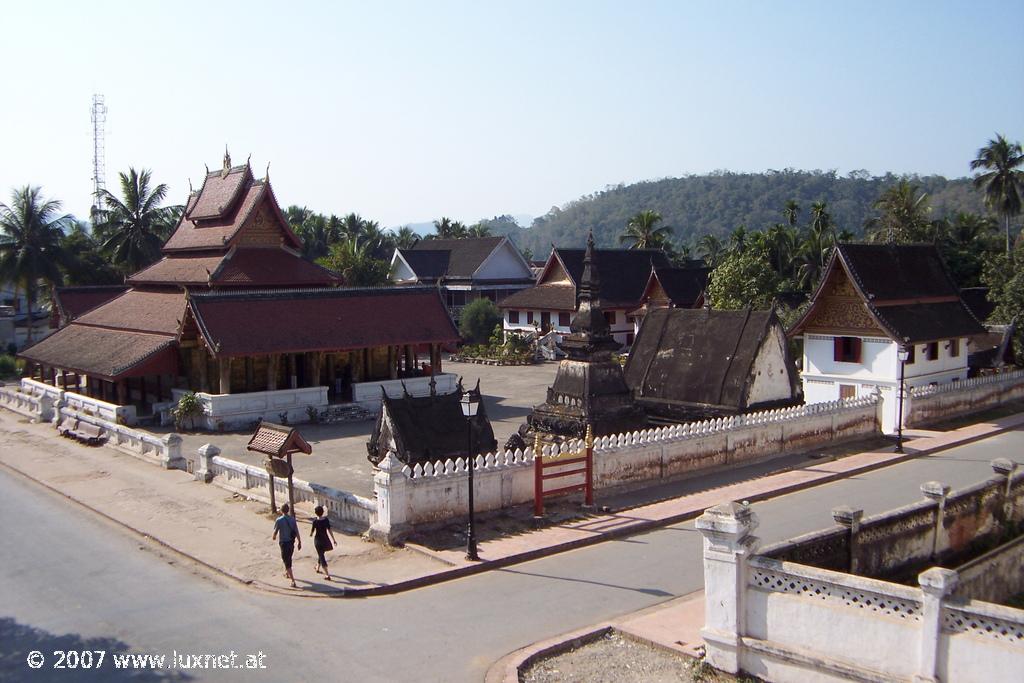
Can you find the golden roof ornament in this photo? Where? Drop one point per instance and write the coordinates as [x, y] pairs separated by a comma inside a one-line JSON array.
[[227, 163]]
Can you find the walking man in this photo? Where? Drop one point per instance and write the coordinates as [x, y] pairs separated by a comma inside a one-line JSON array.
[[286, 531]]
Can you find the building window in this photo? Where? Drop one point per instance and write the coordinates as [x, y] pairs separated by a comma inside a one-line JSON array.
[[610, 317], [529, 317], [931, 351], [564, 319], [513, 317], [847, 391], [545, 321], [847, 349], [954, 348]]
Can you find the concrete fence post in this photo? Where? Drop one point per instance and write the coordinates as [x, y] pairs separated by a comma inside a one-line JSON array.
[[56, 406], [728, 545], [848, 517], [171, 458], [937, 491], [1004, 467], [936, 584], [390, 486], [203, 471]]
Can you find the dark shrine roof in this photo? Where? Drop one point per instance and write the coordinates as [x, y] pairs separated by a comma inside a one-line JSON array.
[[684, 286], [277, 440], [255, 322], [428, 429], [428, 264], [72, 302], [697, 356], [905, 288], [976, 300], [464, 255]]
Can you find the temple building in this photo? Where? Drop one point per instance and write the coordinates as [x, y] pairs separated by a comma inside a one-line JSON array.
[[671, 288], [695, 364], [464, 269], [589, 388], [876, 302], [234, 312], [551, 303]]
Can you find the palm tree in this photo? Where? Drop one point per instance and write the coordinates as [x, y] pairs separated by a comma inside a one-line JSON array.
[[1002, 182], [352, 225], [445, 228], [133, 230], [711, 249], [791, 211], [406, 238], [738, 239], [644, 233], [354, 260], [821, 219], [903, 215], [30, 242], [478, 230]]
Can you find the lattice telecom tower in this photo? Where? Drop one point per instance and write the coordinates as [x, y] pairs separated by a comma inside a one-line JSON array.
[[99, 160]]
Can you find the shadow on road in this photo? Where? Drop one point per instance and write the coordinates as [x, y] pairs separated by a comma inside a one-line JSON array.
[[656, 592], [18, 640]]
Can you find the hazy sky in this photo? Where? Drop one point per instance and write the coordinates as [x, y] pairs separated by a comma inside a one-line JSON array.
[[406, 112]]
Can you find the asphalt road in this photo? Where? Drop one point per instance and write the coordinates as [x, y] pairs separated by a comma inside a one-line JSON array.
[[72, 581]]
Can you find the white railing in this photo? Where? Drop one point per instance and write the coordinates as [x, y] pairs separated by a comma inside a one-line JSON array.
[[17, 401], [164, 451], [253, 481], [237, 411], [110, 412], [1012, 377]]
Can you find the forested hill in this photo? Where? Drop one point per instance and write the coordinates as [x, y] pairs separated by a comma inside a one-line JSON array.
[[720, 202]]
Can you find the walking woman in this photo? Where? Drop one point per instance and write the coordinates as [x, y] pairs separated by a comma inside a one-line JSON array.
[[322, 539]]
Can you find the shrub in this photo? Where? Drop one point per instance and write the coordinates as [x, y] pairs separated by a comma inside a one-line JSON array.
[[8, 366], [188, 408], [478, 320]]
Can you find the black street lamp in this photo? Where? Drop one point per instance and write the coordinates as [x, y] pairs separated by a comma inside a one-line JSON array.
[[903, 353], [470, 404]]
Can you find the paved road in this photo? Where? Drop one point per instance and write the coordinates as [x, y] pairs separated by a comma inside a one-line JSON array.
[[69, 580]]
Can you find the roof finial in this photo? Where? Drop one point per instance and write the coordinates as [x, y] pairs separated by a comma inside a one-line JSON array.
[[266, 177], [227, 162], [190, 186], [248, 159]]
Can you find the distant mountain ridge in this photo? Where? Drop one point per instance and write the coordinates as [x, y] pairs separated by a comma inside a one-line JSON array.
[[718, 203]]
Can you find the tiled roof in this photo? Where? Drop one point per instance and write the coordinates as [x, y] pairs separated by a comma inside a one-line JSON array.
[[698, 356], [218, 194], [179, 269], [271, 267], [71, 302], [684, 286], [464, 255], [623, 272], [216, 233], [927, 322], [898, 271], [428, 264], [976, 300], [275, 439], [291, 321], [140, 311], [106, 353], [543, 297]]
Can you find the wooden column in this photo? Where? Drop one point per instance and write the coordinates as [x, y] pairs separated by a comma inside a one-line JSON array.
[[332, 372], [159, 388], [142, 390], [224, 365], [410, 360], [355, 363], [122, 392], [392, 363], [199, 357], [293, 378], [366, 364], [273, 363], [249, 374]]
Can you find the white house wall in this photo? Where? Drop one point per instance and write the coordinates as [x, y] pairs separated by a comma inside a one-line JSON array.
[[771, 379], [400, 270], [620, 330]]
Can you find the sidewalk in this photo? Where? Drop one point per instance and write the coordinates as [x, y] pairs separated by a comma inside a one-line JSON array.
[[231, 535]]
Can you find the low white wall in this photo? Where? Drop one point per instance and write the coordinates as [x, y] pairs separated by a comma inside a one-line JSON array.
[[368, 394], [932, 403], [110, 412], [784, 622], [164, 451], [239, 411], [347, 509], [36, 408], [436, 491]]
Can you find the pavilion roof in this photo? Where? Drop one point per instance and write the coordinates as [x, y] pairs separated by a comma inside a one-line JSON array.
[[277, 440], [106, 353], [256, 322], [71, 302]]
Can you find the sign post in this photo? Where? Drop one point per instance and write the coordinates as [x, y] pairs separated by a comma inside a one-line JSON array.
[[542, 473]]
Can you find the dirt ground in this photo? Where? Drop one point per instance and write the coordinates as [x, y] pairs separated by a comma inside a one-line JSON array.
[[618, 659]]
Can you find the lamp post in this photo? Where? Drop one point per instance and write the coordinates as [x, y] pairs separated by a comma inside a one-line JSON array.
[[903, 353], [470, 404]]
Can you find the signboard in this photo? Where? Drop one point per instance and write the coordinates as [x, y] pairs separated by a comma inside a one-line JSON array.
[[550, 471]]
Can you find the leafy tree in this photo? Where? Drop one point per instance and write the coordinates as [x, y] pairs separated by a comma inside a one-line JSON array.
[[355, 262], [30, 242], [903, 215], [1002, 180], [406, 238], [967, 242], [744, 278], [711, 249], [816, 249], [447, 229], [643, 231], [478, 319], [134, 227], [478, 230], [791, 212], [1004, 276], [84, 262]]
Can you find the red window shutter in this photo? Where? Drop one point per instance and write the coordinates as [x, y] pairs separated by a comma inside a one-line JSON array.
[[837, 349], [855, 350]]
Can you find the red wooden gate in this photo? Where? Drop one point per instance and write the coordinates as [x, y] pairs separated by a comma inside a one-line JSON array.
[[542, 473]]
